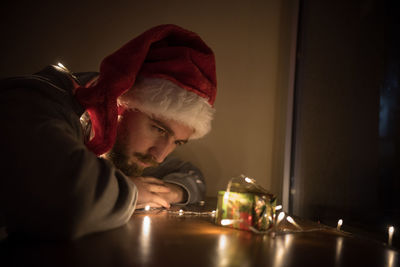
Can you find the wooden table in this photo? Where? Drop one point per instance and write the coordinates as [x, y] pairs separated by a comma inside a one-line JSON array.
[[165, 238]]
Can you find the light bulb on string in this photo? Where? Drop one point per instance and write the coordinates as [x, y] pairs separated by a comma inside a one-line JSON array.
[[390, 235], [291, 220], [339, 224]]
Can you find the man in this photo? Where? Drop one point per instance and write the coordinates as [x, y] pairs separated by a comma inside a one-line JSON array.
[[152, 95]]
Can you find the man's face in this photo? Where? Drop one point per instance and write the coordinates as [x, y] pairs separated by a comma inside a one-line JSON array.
[[143, 141]]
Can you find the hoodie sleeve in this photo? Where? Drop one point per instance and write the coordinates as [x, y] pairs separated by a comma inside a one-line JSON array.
[[52, 186]]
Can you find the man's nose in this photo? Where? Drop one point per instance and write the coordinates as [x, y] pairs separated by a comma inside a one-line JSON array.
[[161, 149]]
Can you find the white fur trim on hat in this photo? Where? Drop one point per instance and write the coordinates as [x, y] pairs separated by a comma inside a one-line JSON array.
[[163, 98]]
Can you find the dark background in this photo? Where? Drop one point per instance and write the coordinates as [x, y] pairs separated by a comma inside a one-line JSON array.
[[347, 116]]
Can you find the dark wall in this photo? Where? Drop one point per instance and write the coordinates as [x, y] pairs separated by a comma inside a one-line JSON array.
[[341, 69]]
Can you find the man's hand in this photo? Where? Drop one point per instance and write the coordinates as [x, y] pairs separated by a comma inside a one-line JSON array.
[[176, 193], [156, 193], [149, 190]]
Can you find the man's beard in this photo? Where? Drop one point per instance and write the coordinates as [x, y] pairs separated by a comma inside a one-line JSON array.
[[118, 156]]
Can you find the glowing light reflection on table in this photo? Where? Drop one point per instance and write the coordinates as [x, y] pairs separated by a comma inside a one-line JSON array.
[[282, 247], [391, 258], [223, 257], [145, 241], [339, 246], [230, 252]]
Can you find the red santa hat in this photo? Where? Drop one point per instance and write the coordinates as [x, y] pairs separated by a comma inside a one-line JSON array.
[[169, 72]]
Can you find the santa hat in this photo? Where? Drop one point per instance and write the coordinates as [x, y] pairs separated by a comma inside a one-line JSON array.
[[177, 81]]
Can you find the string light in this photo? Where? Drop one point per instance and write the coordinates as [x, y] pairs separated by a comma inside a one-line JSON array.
[[290, 219], [226, 196], [273, 231], [227, 222], [248, 180], [192, 213], [61, 65], [280, 217], [339, 224], [390, 233]]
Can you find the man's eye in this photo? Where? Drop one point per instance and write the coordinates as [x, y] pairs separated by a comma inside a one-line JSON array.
[[160, 130], [180, 143]]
